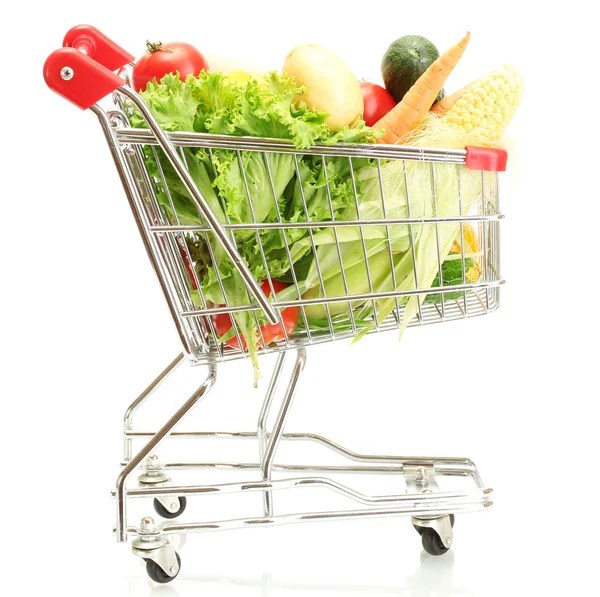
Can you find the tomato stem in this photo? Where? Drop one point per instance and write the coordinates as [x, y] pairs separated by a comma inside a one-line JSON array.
[[156, 46]]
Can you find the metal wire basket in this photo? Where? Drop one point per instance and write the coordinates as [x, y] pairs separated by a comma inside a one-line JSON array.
[[476, 294]]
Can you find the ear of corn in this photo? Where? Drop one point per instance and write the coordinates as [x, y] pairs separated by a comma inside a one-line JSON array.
[[487, 105]]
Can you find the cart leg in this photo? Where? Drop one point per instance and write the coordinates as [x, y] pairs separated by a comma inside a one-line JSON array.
[[158, 437], [268, 451], [266, 407], [128, 418]]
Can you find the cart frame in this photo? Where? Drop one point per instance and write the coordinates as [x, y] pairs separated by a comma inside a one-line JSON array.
[[83, 73]]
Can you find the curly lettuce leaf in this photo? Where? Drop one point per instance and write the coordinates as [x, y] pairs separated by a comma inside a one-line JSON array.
[[272, 186], [173, 103]]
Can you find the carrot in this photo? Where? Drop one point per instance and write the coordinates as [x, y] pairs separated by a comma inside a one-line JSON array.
[[411, 111], [441, 107]]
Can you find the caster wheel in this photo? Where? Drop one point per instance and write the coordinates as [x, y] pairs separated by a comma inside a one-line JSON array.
[[162, 511], [157, 574], [421, 529], [432, 543]]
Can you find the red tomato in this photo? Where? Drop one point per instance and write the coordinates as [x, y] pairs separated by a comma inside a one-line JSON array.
[[378, 102], [271, 332], [162, 59]]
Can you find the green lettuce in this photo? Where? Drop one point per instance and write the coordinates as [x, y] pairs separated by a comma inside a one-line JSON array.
[[246, 187]]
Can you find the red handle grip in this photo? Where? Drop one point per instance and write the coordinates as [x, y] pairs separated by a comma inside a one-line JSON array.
[[492, 159], [78, 78], [96, 45], [82, 71]]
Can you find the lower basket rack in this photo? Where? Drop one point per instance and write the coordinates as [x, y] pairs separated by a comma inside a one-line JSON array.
[[432, 510]]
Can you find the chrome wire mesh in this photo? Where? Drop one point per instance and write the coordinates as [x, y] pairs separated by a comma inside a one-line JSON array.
[[387, 238]]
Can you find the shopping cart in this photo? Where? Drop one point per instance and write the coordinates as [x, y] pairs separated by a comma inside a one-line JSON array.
[[83, 71]]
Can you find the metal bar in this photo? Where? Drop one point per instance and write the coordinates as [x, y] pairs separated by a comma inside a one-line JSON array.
[[158, 437], [225, 525], [412, 240], [313, 437], [166, 254], [389, 239], [441, 469], [167, 250], [147, 239], [261, 248], [128, 418], [437, 240], [215, 224], [208, 321], [209, 140], [173, 257], [234, 324], [461, 236], [275, 436], [286, 484], [313, 246], [285, 242], [341, 299], [332, 223], [430, 317], [312, 468], [266, 405], [362, 239], [496, 228], [337, 242]]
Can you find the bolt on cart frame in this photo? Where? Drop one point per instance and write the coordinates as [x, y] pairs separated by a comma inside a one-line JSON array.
[[83, 72]]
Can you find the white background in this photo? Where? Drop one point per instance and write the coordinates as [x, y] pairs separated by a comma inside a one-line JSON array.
[[84, 326]]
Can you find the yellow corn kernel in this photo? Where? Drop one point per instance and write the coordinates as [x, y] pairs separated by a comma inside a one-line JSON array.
[[487, 105]]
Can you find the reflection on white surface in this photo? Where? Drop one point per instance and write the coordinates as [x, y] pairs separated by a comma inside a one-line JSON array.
[[433, 578]]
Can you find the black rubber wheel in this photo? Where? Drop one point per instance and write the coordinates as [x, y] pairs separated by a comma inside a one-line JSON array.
[[421, 529], [432, 543], [162, 511], [157, 574]]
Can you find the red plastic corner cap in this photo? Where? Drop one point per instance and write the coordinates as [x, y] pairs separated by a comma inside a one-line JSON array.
[[78, 78], [96, 45], [491, 159]]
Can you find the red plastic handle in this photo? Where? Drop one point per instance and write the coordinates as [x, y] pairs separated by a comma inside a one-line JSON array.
[[78, 78], [491, 159], [96, 45]]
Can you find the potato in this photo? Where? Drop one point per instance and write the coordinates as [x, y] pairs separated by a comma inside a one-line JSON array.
[[331, 85]]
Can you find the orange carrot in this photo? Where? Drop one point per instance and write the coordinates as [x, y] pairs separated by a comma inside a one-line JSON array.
[[411, 111], [441, 107]]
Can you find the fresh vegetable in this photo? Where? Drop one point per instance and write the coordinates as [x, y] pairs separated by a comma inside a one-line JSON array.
[[269, 332], [294, 187], [330, 86], [487, 106], [444, 104], [414, 107], [213, 103], [469, 238], [405, 61], [162, 59], [421, 262], [452, 275], [239, 76], [456, 130], [378, 102], [478, 117], [354, 280]]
